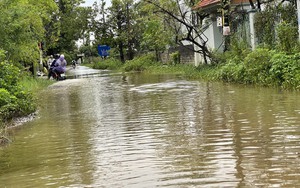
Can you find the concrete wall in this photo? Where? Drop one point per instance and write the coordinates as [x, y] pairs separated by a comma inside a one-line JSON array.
[[186, 55]]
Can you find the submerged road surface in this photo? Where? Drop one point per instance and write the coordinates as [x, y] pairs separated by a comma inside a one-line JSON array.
[[111, 130]]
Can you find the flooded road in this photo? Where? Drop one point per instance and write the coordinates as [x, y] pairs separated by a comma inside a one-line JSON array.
[[143, 131]]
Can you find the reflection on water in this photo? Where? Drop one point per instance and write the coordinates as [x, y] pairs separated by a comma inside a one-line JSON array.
[[156, 131]]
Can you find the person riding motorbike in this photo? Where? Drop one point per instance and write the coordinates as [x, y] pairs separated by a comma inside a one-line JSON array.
[[74, 64], [58, 67]]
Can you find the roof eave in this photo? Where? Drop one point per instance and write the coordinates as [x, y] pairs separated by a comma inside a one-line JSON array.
[[209, 8]]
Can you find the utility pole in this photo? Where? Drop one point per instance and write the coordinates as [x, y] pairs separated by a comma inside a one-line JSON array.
[[226, 23], [252, 29]]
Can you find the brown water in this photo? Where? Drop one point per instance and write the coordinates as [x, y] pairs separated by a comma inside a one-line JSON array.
[[105, 130]]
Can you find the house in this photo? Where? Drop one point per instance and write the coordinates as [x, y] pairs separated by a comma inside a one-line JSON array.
[[215, 27]]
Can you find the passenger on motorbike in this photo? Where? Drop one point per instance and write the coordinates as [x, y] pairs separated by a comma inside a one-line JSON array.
[[60, 65], [52, 65]]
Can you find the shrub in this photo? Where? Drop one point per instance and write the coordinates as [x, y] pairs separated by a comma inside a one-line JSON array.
[[134, 66], [14, 101], [9, 76], [287, 33], [25, 103], [257, 65], [110, 63], [140, 63], [263, 67], [6, 97], [175, 58], [18, 104], [231, 72], [285, 70]]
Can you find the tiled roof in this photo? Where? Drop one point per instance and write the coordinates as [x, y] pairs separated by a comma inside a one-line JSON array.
[[205, 3]]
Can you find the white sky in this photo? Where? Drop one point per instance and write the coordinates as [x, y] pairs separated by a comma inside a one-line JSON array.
[[91, 2]]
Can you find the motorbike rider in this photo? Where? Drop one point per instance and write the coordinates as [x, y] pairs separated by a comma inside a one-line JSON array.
[[60, 65], [49, 61], [52, 65], [74, 63]]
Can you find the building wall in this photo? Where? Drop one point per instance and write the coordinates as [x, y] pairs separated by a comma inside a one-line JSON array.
[[215, 34], [218, 37], [215, 38]]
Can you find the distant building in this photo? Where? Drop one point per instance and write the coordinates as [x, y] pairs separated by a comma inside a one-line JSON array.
[[218, 25]]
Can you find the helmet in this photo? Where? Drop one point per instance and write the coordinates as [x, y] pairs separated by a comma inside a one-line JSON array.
[[56, 56]]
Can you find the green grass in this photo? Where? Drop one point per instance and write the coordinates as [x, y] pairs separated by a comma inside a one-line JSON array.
[[148, 65], [35, 85], [110, 63], [205, 72], [262, 67]]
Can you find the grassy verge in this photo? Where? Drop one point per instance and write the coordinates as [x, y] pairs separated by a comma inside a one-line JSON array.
[[263, 67], [204, 72], [35, 85], [148, 65]]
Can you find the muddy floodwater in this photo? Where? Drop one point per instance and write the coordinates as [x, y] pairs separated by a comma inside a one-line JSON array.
[[108, 130]]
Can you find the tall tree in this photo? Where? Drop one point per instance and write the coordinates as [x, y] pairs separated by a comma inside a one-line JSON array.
[[156, 35], [122, 19], [100, 26], [178, 15], [22, 27], [72, 19]]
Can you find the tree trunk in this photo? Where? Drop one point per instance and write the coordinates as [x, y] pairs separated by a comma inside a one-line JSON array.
[[157, 55], [121, 50]]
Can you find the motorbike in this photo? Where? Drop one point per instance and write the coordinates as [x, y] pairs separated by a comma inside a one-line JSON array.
[[74, 64], [57, 76]]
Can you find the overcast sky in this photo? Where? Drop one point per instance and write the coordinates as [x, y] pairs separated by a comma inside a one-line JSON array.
[[91, 2]]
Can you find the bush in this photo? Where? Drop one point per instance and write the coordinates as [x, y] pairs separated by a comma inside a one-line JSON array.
[[15, 105], [9, 76], [6, 97], [285, 70], [175, 58], [140, 63], [263, 67], [257, 65], [232, 68], [232, 72], [110, 63], [287, 33], [14, 101]]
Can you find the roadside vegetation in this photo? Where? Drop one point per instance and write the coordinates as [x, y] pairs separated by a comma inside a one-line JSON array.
[[14, 100], [18, 94], [262, 67], [275, 62]]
